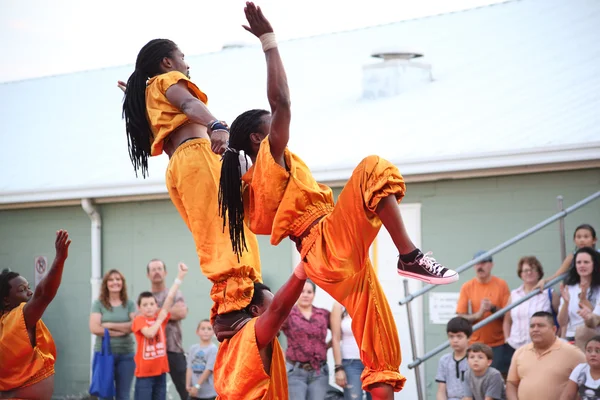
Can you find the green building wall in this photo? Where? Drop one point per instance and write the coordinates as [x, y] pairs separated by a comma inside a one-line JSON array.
[[459, 217]]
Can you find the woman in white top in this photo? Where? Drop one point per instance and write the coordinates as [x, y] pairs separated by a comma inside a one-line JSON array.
[[346, 354], [516, 322], [582, 288]]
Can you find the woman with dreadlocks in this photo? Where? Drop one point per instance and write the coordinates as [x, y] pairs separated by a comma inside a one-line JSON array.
[[27, 351], [279, 196], [166, 112]]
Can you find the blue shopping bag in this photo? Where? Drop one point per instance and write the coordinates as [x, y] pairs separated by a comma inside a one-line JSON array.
[[103, 370]]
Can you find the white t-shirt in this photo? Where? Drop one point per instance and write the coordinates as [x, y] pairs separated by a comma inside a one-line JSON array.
[[349, 347], [588, 388], [574, 319]]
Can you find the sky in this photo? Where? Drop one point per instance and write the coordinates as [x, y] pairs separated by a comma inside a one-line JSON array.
[[42, 38]]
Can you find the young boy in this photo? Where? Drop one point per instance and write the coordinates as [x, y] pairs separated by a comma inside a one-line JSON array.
[[453, 366], [482, 382], [200, 364], [151, 363]]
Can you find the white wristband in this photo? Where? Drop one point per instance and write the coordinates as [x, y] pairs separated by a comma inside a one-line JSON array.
[[268, 41], [177, 281]]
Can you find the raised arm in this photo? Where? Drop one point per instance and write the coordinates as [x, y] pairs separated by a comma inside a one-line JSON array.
[[48, 286], [168, 304], [278, 91], [269, 323], [564, 267]]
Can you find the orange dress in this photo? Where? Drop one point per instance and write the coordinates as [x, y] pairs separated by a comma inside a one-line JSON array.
[[285, 202], [193, 181], [21, 364], [239, 373]]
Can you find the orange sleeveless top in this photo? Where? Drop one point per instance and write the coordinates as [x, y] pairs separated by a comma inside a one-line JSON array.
[[239, 373], [20, 364], [164, 117], [282, 202]]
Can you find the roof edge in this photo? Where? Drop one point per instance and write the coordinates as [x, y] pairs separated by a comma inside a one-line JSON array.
[[415, 170]]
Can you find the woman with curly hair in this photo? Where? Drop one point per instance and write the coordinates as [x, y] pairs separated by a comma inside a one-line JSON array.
[[115, 311]]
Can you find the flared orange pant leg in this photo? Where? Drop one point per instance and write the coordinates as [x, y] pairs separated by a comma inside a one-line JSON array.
[[338, 262], [193, 182]]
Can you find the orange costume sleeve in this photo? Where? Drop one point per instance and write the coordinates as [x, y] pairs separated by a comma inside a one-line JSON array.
[[164, 117], [239, 373], [336, 248], [271, 200], [192, 180], [21, 364]]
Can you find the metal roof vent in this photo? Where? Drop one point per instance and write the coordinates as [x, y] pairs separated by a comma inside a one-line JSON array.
[[233, 45], [396, 74]]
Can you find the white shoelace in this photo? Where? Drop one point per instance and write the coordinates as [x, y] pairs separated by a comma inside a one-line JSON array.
[[429, 262]]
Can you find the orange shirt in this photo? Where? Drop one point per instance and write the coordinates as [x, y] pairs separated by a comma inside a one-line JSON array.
[[151, 355], [21, 364], [473, 291], [283, 202], [164, 117], [239, 373]]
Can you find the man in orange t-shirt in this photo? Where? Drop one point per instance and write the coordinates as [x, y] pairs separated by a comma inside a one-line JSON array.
[[485, 294], [151, 362]]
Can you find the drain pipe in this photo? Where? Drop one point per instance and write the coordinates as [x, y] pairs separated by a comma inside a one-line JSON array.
[[96, 259]]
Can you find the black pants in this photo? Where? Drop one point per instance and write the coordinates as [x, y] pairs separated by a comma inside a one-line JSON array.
[[177, 366]]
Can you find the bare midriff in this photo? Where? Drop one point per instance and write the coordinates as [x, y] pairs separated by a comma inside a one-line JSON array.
[[187, 131]]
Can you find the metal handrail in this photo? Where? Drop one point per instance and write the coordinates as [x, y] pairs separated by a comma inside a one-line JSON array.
[[487, 320], [508, 243]]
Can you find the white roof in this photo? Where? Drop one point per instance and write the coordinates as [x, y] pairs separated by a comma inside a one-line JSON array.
[[515, 84]]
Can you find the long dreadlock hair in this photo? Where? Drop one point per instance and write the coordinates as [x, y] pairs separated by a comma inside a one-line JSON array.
[[231, 203], [5, 277], [137, 126]]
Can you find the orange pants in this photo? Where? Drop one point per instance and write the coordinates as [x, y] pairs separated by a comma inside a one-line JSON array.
[[337, 255], [193, 182]]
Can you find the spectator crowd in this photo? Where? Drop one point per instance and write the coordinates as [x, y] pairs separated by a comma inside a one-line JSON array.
[[546, 347]]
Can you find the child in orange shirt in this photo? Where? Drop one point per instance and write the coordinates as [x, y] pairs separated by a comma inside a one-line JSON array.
[[151, 363]]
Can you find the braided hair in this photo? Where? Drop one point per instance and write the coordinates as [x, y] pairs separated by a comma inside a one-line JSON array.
[[231, 205], [5, 277], [139, 134]]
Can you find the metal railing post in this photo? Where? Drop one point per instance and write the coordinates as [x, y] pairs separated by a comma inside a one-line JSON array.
[[487, 320], [561, 230], [508, 243], [413, 343]]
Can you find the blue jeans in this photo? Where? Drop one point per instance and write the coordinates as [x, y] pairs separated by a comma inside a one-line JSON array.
[[307, 385], [151, 388], [353, 389], [502, 357], [124, 369]]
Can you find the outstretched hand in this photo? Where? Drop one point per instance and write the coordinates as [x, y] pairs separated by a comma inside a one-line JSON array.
[[183, 270], [258, 23], [122, 85], [62, 245]]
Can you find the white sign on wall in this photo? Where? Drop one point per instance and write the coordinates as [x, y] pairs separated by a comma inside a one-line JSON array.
[[40, 267], [442, 307]]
